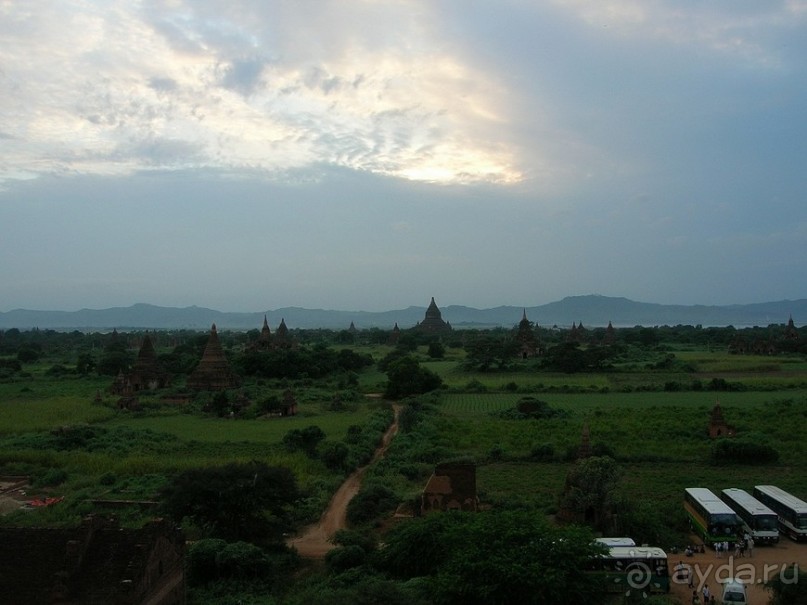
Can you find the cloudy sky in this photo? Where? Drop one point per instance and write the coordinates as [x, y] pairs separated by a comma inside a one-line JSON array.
[[370, 154]]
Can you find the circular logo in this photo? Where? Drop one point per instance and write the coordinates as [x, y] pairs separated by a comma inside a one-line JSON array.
[[638, 575]]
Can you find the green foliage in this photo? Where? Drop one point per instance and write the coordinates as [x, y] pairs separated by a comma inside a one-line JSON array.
[[303, 362], [741, 451], [50, 478], [355, 586], [408, 418], [217, 566], [335, 456], [436, 350], [305, 440], [789, 587], [372, 501], [543, 452], [485, 353], [28, 354], [494, 557], [531, 408], [406, 377], [94, 438], [234, 502], [590, 489], [570, 358]]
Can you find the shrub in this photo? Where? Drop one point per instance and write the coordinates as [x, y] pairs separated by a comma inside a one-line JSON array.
[[531, 408], [736, 451], [543, 453], [370, 503], [51, 477]]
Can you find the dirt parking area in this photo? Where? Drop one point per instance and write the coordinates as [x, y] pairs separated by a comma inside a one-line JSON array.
[[763, 564]]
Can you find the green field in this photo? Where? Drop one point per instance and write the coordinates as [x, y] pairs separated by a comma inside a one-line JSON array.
[[649, 413]]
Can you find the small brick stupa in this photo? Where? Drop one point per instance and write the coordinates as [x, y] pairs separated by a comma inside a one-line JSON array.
[[717, 424], [213, 372]]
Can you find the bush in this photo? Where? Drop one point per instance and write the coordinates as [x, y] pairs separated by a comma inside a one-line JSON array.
[[531, 408], [334, 455], [306, 439], [371, 502], [51, 478], [736, 451], [543, 453]]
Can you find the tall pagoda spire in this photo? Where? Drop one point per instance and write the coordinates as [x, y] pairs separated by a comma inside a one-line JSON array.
[[213, 372]]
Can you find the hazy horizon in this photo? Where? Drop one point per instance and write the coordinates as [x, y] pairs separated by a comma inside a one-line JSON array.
[[372, 154], [399, 307]]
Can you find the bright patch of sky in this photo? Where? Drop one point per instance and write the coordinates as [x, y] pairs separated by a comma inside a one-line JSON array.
[[371, 154]]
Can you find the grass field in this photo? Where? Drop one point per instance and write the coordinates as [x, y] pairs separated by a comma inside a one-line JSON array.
[[659, 438]]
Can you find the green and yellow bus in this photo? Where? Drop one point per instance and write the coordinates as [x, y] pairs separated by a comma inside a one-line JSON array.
[[710, 517]]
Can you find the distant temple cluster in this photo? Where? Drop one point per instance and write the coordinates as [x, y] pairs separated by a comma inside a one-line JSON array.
[[214, 373], [764, 346]]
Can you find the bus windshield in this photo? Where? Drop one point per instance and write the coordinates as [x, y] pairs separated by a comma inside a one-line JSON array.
[[767, 523], [722, 523], [802, 521]]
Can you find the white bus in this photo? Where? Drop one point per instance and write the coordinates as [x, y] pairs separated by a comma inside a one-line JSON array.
[[609, 542], [791, 510], [760, 522], [633, 567]]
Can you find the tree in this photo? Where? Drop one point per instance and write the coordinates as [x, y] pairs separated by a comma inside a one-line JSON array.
[[407, 377], [370, 502], [436, 350], [590, 490], [85, 364], [788, 587], [235, 502], [494, 557], [306, 439], [487, 352], [334, 455]]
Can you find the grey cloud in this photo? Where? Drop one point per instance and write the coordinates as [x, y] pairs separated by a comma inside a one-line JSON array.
[[243, 75], [160, 151], [163, 84], [318, 78]]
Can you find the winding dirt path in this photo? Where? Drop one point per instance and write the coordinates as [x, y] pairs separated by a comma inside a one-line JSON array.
[[314, 542]]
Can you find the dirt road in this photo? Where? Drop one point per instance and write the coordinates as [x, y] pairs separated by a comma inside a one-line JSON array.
[[314, 543], [766, 562]]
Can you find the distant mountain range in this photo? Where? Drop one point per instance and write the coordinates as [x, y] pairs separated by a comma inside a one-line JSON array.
[[590, 310]]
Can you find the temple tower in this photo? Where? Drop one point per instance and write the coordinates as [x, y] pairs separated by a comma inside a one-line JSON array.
[[433, 321], [526, 337], [213, 372]]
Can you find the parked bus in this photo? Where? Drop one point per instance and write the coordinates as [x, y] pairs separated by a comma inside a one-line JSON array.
[[626, 568], [759, 521], [792, 511], [710, 517], [609, 542]]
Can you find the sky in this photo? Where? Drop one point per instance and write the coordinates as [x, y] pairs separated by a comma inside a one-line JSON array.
[[371, 154]]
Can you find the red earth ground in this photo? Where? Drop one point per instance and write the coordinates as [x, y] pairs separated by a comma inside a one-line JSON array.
[[314, 541], [765, 563]]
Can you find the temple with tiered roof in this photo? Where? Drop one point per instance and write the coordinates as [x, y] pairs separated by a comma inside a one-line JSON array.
[[433, 322]]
